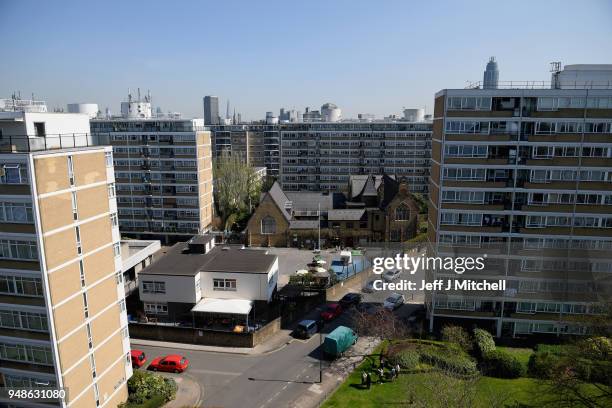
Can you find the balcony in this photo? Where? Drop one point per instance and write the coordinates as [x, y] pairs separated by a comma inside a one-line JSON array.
[[30, 143]]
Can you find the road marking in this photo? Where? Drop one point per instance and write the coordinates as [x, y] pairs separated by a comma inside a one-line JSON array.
[[202, 371]]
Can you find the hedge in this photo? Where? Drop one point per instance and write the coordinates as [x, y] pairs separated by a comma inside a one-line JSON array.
[[483, 343], [143, 386], [455, 363], [407, 359], [501, 364]]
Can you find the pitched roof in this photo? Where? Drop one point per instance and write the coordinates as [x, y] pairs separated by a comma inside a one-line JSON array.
[[280, 199], [304, 224], [305, 200], [345, 215]]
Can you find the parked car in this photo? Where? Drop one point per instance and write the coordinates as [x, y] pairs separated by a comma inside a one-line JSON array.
[[331, 311], [350, 299], [338, 341], [306, 329], [390, 276], [138, 358], [369, 287], [172, 363], [394, 301]]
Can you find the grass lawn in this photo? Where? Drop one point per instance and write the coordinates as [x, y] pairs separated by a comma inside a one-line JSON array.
[[350, 394], [522, 354]]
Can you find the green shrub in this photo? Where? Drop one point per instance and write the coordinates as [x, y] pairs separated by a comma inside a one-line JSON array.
[[596, 348], [457, 335], [407, 359], [143, 386], [454, 363], [500, 364], [542, 364], [483, 343]]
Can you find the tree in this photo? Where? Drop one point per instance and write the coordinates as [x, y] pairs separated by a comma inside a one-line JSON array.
[[236, 190], [381, 324]]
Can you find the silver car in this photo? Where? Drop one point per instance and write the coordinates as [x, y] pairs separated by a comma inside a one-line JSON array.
[[394, 301], [390, 276]]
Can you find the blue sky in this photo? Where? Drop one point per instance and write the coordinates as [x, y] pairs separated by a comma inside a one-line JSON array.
[[365, 56]]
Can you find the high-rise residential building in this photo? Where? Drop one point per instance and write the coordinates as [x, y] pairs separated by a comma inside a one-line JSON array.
[[524, 175], [256, 144], [211, 110], [62, 310], [321, 156], [163, 172]]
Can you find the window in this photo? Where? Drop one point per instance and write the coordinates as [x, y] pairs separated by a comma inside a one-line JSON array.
[[224, 284], [153, 287], [96, 393], [85, 305], [71, 170], [23, 250], [156, 308], [16, 212], [402, 213], [108, 159], [27, 353], [125, 333], [111, 190], [82, 273], [77, 231], [113, 219], [73, 197], [122, 305], [117, 249], [21, 285], [89, 335], [92, 364], [15, 319], [39, 129], [119, 277], [268, 225], [14, 174]]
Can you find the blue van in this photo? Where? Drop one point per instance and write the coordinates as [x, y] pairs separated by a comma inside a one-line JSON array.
[[306, 328]]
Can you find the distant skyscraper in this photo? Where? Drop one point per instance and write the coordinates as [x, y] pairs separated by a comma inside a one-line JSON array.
[[491, 75], [211, 110]]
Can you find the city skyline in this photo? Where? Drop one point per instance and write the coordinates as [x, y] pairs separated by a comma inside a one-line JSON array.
[[315, 56]]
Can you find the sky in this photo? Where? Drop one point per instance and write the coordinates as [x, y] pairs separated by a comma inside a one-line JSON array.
[[365, 56]]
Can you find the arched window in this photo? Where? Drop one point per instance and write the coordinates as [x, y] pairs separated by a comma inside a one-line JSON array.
[[402, 213], [268, 225]]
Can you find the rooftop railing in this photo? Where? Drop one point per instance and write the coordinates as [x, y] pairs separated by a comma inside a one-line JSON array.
[[29, 143], [543, 85]]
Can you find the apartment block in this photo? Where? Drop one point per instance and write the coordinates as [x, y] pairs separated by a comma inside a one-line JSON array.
[[163, 173], [322, 156], [523, 174], [62, 310], [257, 144]]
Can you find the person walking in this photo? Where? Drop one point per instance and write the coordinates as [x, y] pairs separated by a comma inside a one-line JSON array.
[[397, 369], [364, 378], [369, 380], [393, 374], [381, 375]]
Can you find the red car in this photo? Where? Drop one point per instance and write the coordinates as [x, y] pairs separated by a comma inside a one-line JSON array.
[[138, 358], [173, 363], [331, 311]]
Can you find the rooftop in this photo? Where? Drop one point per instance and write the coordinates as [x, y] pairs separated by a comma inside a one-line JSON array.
[[178, 261], [32, 143]]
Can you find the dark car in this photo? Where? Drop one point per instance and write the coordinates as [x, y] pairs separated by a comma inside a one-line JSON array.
[[306, 328], [350, 299], [331, 311]]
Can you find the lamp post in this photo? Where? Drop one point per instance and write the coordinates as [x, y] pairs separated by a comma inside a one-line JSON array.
[[321, 350]]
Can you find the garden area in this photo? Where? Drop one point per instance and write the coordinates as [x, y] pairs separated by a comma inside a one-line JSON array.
[[147, 390], [469, 370]]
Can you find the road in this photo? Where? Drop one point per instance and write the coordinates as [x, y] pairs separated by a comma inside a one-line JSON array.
[[270, 380]]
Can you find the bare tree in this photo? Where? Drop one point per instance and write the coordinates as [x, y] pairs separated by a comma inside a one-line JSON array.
[[381, 324]]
